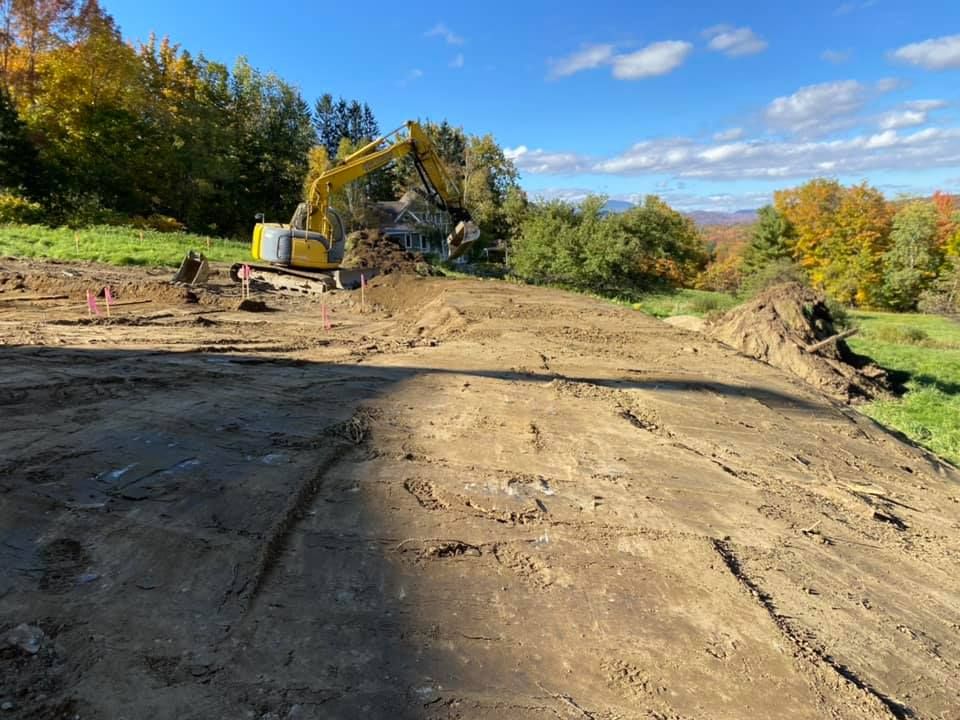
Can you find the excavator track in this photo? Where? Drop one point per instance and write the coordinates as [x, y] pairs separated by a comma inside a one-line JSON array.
[[307, 282], [288, 279]]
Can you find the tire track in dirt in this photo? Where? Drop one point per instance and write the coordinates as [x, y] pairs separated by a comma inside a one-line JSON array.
[[804, 648], [345, 437]]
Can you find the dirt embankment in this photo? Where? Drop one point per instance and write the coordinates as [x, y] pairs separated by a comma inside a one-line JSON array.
[[555, 508], [790, 327]]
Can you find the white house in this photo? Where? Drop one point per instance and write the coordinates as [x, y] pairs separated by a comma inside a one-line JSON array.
[[415, 224]]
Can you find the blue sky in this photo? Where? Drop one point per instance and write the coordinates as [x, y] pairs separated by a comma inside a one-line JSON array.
[[710, 105]]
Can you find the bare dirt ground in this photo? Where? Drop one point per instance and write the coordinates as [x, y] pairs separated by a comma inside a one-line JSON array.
[[476, 500]]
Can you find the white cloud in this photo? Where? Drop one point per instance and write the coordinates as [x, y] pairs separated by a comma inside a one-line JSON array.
[[540, 162], [728, 135], [590, 57], [933, 54], [658, 58], [846, 8], [411, 76], [901, 118], [810, 107], [442, 31], [837, 57], [568, 195], [889, 84], [719, 202], [457, 61], [886, 139], [925, 105], [724, 152], [734, 42], [909, 114], [681, 157]]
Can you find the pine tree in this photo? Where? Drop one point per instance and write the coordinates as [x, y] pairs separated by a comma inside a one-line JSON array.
[[770, 241]]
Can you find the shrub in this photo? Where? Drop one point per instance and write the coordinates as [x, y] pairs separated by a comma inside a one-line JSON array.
[[721, 276], [944, 297], [775, 273], [838, 311], [160, 223], [705, 304], [18, 210]]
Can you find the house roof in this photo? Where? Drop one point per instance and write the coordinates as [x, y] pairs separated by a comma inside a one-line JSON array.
[[395, 208]]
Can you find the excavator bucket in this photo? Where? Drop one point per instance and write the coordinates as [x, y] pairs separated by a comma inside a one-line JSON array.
[[193, 270], [462, 238]]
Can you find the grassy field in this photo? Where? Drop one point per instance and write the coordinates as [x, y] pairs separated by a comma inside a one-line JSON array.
[[924, 353], [115, 245], [685, 302]]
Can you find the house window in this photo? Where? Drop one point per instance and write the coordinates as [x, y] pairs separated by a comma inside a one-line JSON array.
[[408, 242]]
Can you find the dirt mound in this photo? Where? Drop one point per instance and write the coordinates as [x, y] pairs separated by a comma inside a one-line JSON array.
[[126, 284], [784, 327], [256, 306], [371, 249], [420, 304]]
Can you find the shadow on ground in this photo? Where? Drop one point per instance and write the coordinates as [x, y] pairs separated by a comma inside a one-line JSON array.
[[193, 534]]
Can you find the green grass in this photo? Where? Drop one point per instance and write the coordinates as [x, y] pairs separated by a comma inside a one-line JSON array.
[[924, 352], [115, 245], [685, 302]]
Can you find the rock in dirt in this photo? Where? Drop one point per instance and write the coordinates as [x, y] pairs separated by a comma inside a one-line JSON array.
[[249, 305], [371, 249], [781, 325], [28, 638]]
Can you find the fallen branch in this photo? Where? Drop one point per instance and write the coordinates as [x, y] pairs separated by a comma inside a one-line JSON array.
[[830, 340]]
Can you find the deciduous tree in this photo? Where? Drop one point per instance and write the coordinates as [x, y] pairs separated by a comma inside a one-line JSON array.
[[915, 255]]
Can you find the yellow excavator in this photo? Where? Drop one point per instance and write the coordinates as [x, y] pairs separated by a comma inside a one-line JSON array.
[[306, 253]]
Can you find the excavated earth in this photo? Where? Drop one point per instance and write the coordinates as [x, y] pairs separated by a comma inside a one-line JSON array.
[[465, 499]]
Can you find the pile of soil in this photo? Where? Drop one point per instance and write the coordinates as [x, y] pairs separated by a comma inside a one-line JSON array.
[[249, 305], [75, 279], [371, 249], [780, 327]]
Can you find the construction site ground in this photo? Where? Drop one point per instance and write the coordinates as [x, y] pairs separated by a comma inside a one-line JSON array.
[[473, 500]]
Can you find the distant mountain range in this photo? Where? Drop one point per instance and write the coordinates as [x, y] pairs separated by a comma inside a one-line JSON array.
[[700, 217], [714, 217]]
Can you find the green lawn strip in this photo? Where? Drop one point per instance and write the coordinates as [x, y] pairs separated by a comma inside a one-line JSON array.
[[929, 362], [115, 245], [685, 302]]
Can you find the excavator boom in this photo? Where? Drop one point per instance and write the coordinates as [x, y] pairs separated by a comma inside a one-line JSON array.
[[314, 238]]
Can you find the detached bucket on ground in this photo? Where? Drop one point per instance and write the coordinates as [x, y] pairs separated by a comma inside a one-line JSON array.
[[193, 270]]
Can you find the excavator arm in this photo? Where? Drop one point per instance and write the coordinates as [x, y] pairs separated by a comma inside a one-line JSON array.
[[442, 191], [310, 242]]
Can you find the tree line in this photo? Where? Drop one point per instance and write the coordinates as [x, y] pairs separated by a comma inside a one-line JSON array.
[[586, 247], [860, 248], [94, 129]]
